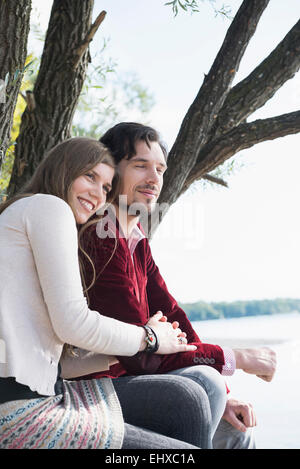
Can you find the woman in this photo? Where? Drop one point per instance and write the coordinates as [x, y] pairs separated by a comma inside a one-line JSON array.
[[43, 307]]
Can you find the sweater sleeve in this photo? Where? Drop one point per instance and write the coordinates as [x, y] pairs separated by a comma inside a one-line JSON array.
[[52, 233]]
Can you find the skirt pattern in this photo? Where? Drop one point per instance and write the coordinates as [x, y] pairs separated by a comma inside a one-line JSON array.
[[86, 416]]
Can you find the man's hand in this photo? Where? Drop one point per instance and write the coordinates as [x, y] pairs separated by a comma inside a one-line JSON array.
[[257, 361], [239, 414]]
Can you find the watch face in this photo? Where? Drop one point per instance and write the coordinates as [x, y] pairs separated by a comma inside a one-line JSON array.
[[151, 340]]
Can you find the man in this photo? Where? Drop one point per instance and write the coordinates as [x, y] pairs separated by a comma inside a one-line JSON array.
[[129, 286]]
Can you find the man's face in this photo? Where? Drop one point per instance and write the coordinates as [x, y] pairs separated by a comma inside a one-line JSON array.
[[142, 175]]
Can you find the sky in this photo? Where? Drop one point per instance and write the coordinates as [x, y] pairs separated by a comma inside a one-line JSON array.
[[216, 243]]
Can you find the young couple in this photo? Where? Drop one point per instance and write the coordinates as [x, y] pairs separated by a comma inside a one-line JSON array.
[[74, 328]]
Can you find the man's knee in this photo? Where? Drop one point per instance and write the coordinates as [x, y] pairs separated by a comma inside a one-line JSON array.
[[209, 378], [182, 388], [228, 437]]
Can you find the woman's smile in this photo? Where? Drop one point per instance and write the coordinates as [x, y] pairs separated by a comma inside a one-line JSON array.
[[86, 204]]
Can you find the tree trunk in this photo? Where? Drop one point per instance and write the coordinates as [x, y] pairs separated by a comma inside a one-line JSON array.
[[14, 29], [48, 116]]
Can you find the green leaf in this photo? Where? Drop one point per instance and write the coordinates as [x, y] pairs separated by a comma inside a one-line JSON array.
[[28, 65]]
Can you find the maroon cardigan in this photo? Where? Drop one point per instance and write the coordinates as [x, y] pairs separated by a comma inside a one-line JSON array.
[[132, 292]]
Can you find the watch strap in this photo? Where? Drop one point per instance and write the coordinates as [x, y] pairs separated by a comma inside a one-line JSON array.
[[151, 340]]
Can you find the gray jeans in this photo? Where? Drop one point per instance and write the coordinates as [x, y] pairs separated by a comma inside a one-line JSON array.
[[182, 409], [163, 411]]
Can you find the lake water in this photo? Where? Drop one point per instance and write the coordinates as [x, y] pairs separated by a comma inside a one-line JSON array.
[[277, 404]]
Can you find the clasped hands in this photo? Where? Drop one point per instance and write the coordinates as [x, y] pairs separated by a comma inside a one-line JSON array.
[[170, 336]]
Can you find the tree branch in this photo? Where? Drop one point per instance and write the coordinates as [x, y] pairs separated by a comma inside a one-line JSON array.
[[244, 136], [200, 117], [256, 89], [89, 37], [215, 180]]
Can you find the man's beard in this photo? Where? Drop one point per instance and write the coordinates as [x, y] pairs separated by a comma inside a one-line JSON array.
[[136, 207]]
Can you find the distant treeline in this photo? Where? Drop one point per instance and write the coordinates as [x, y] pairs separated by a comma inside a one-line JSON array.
[[201, 310]]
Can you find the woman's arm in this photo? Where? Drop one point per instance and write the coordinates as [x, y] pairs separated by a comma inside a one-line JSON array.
[[51, 230]]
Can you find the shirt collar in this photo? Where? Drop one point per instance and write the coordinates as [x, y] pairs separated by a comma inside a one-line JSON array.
[[135, 237], [107, 228]]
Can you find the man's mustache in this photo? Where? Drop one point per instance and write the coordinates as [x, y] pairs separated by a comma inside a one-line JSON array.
[[148, 187]]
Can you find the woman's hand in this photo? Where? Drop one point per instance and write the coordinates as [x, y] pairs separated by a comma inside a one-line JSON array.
[[171, 338]]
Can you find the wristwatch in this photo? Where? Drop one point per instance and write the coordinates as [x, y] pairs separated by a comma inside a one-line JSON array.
[[151, 340]]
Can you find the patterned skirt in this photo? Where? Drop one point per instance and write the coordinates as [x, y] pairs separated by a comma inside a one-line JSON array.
[[86, 416]]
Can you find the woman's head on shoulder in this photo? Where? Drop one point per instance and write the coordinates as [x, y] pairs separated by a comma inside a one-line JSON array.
[[79, 170]]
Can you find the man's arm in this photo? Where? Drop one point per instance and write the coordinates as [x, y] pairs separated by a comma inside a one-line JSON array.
[[158, 294], [114, 294]]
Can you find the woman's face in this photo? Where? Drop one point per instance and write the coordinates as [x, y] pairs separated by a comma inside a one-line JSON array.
[[88, 192]]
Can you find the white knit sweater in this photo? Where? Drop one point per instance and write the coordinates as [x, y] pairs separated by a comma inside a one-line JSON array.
[[42, 305]]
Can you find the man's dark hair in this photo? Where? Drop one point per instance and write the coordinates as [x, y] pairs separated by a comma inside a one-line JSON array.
[[122, 138]]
